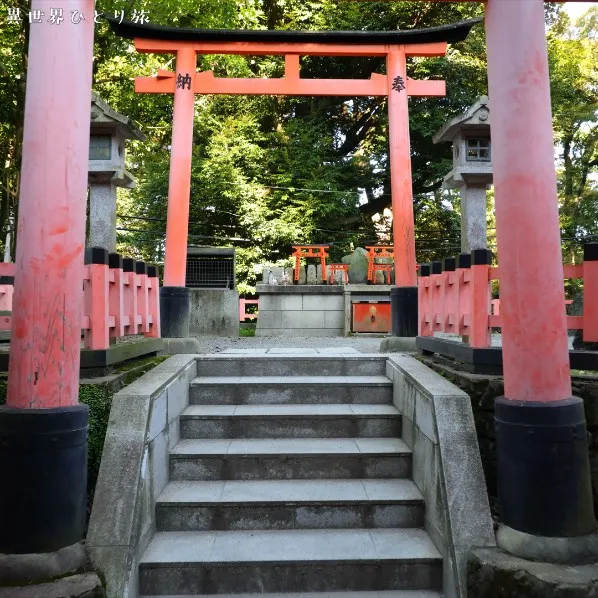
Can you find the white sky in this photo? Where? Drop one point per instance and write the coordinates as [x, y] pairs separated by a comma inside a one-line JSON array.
[[576, 9]]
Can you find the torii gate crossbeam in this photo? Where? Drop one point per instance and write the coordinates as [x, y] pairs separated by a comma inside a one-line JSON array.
[[395, 46]]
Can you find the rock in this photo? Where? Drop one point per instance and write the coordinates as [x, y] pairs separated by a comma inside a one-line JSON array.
[[346, 259], [287, 277], [266, 275], [358, 266], [311, 274], [380, 277]]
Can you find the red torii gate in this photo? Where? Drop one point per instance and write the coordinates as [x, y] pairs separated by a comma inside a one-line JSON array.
[[185, 82]]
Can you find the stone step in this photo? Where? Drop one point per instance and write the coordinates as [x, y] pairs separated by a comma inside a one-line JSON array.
[[289, 561], [383, 594], [276, 390], [289, 504], [290, 421], [290, 458], [291, 365]]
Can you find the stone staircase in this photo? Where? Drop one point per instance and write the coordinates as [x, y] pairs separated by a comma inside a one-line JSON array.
[[290, 477]]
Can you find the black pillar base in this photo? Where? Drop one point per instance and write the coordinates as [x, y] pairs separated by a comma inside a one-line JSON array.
[[43, 478], [543, 468], [403, 307], [175, 304]]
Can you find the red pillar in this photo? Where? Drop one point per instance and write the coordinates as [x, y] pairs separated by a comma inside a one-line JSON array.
[[174, 297], [404, 296], [179, 184], [43, 498], [46, 319], [543, 470]]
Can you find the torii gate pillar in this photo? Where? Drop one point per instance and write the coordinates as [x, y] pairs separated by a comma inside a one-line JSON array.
[[43, 428], [543, 468]]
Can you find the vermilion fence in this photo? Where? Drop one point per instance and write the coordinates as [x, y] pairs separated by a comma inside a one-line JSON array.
[[454, 296], [120, 298]]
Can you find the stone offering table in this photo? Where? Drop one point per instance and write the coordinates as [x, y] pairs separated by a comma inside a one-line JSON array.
[[311, 310]]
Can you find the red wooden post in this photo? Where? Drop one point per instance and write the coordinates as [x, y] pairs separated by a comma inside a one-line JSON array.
[[116, 295], [174, 295], [44, 491], [437, 296], [129, 296], [142, 297], [479, 334], [96, 299], [424, 290], [153, 299], [451, 295], [465, 293], [543, 473], [590, 293]]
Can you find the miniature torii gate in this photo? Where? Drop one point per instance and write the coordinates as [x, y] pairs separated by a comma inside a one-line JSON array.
[[185, 82]]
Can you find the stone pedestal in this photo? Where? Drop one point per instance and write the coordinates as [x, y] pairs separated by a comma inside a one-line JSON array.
[[102, 216], [214, 312], [473, 218]]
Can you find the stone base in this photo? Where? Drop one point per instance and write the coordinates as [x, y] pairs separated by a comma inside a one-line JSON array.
[[578, 550], [398, 344], [83, 585], [214, 312], [29, 575], [494, 573], [18, 569], [176, 346]]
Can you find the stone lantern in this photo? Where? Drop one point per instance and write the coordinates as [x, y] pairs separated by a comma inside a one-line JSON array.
[[108, 132], [472, 169]]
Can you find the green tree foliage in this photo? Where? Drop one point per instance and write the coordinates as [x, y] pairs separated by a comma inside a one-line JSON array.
[[573, 55], [271, 171]]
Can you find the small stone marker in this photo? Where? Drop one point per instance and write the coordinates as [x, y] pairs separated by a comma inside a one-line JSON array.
[[311, 274], [302, 275], [277, 272], [266, 275], [288, 276]]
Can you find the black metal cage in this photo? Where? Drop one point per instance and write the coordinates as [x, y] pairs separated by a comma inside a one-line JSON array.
[[210, 267]]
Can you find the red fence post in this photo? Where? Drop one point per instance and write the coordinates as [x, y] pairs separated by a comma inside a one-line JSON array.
[[437, 294], [479, 335], [451, 295], [116, 294], [95, 298], [590, 292], [142, 297], [465, 295], [424, 300], [153, 301], [129, 296]]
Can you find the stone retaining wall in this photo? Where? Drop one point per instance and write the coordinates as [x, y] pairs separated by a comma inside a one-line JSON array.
[[483, 389]]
